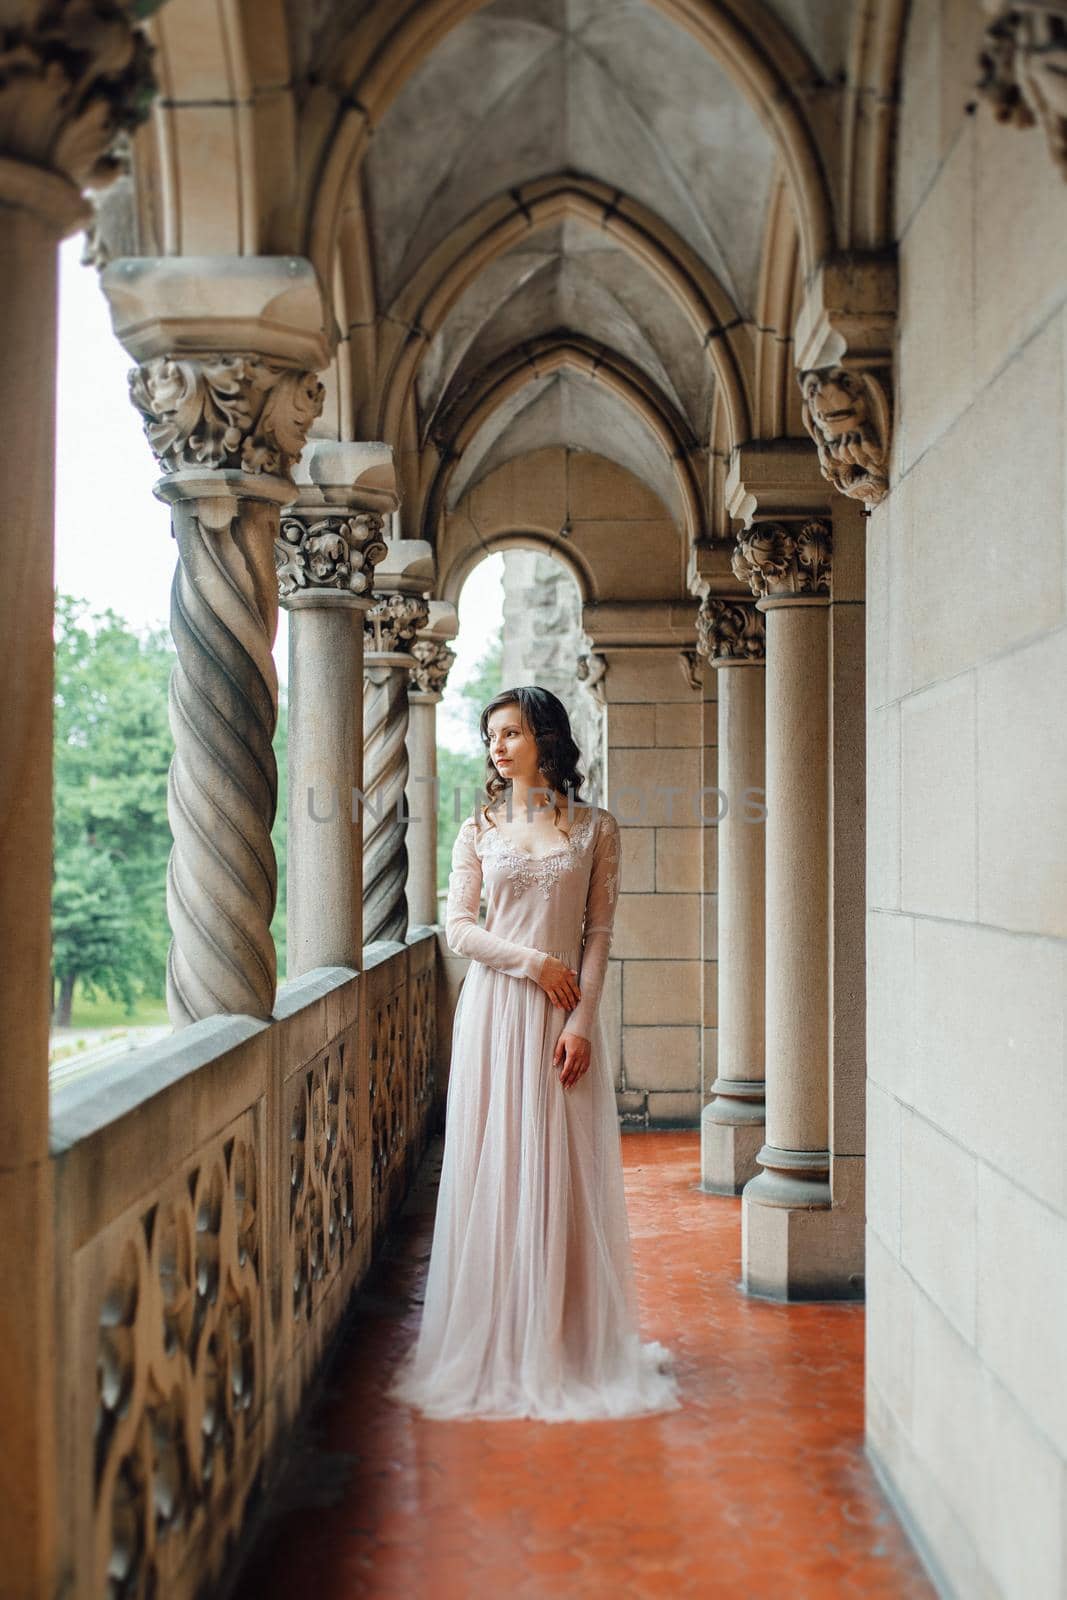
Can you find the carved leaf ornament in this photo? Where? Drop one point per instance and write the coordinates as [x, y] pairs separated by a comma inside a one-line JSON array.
[[74, 74], [776, 559], [234, 411], [333, 552], [729, 630]]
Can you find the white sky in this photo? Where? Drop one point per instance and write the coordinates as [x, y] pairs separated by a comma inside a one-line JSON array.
[[113, 540]]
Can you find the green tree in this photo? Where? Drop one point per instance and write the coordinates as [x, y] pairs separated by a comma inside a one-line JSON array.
[[461, 773], [280, 831], [111, 838]]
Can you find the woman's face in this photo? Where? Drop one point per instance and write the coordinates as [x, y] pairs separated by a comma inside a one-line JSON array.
[[511, 746]]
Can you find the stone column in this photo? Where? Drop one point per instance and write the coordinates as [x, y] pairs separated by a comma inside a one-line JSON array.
[[70, 85], [788, 566], [228, 350], [732, 637], [390, 627], [431, 663], [330, 541]]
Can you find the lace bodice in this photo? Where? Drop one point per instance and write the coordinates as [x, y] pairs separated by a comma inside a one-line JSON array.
[[561, 903], [541, 872]]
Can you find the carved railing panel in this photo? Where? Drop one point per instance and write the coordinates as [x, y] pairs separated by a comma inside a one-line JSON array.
[[208, 1237], [322, 1120], [421, 1028], [389, 1102], [177, 1285]]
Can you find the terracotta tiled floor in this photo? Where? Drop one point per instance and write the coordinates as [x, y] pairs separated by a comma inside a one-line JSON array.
[[758, 1487]]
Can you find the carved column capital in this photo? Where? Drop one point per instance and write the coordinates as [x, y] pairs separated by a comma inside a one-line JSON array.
[[391, 624], [730, 631], [73, 78], [234, 411], [780, 560], [431, 663], [319, 550], [847, 416], [1024, 68]]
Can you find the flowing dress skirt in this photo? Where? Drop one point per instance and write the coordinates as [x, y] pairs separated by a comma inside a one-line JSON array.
[[530, 1307]]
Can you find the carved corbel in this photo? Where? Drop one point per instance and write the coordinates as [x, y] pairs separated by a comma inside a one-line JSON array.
[[1024, 69], [847, 416], [591, 669], [692, 666], [844, 344]]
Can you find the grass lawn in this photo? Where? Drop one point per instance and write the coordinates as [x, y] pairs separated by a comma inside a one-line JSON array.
[[104, 1013]]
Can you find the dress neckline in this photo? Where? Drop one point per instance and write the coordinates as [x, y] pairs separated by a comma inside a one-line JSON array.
[[582, 811]]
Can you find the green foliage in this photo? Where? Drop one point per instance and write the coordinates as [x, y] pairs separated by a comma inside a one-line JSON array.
[[280, 831], [461, 774], [112, 748]]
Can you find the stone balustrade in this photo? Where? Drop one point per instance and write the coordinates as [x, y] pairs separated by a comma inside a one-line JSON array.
[[218, 1198]]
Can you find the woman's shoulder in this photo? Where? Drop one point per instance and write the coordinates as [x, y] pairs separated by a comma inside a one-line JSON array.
[[598, 822], [470, 830]]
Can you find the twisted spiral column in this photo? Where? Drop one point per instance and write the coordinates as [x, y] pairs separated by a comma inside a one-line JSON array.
[[390, 628], [222, 877], [226, 425], [385, 778]]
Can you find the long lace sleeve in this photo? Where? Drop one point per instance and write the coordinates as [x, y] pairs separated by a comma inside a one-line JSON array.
[[600, 906], [462, 933]]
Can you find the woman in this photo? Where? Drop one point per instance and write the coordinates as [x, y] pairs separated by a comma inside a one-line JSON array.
[[530, 1308]]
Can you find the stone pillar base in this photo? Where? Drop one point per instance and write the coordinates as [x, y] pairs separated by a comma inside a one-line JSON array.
[[803, 1252], [732, 1133]]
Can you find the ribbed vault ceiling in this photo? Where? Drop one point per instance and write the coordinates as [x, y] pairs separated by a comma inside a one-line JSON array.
[[609, 88], [612, 91], [570, 276], [567, 408]]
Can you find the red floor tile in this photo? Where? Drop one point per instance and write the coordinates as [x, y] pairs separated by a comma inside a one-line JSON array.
[[758, 1487]]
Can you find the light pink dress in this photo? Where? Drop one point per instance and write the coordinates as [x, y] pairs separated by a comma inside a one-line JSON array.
[[530, 1307]]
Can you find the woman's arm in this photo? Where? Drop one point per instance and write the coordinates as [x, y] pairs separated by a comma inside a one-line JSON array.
[[600, 906], [462, 933]]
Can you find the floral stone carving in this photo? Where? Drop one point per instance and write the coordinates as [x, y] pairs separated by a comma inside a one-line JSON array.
[[237, 411], [393, 621], [328, 552], [731, 630], [73, 77], [431, 663], [777, 559]]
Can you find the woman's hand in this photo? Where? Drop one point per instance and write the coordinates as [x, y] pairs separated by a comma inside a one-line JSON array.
[[560, 983], [572, 1055]]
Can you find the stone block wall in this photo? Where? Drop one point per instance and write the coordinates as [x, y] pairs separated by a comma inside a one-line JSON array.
[[967, 853], [656, 1002]]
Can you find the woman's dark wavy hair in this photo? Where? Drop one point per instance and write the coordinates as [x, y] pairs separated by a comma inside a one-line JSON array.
[[545, 715]]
